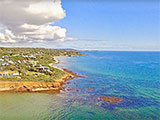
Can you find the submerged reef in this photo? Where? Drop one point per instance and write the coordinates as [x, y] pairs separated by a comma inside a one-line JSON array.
[[111, 100]]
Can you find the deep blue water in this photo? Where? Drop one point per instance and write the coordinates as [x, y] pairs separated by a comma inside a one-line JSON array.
[[133, 76]]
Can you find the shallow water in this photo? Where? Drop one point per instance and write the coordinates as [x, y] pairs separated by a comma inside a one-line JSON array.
[[133, 76]]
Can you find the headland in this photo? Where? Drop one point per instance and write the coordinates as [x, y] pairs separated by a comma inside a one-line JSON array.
[[32, 70]]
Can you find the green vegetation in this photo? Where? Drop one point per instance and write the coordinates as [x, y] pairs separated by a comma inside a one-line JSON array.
[[32, 63]]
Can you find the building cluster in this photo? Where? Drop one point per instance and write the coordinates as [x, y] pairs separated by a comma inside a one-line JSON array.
[[9, 74], [5, 61], [28, 59]]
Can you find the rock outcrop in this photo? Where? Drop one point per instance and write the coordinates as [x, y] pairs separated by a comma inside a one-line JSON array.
[[111, 100]]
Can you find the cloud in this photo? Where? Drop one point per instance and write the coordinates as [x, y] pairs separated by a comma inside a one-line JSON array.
[[31, 21]]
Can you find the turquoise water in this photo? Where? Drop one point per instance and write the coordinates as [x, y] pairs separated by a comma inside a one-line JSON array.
[[133, 76]]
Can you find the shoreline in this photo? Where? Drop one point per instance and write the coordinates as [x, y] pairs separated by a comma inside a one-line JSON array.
[[38, 86]]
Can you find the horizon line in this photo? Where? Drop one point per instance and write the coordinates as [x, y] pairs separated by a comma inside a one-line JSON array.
[[85, 49]]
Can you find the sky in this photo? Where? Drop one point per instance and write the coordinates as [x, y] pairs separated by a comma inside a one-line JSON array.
[[125, 25]]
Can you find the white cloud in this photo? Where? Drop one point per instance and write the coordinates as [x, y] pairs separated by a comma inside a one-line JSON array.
[[31, 21], [2, 37]]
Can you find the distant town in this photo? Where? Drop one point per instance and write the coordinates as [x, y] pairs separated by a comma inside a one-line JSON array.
[[31, 64]]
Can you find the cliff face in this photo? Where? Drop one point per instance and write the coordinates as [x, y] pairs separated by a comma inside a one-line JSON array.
[[35, 86], [29, 86]]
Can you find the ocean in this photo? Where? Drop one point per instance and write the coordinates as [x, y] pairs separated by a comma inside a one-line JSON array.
[[132, 76]]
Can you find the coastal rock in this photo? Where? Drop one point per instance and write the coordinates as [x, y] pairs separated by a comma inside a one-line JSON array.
[[111, 100], [73, 74], [71, 89], [68, 82], [89, 88]]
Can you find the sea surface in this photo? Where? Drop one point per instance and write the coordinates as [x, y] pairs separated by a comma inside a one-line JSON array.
[[133, 76]]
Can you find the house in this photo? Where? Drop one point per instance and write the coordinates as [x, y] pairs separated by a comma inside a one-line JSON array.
[[5, 56], [4, 63], [11, 62], [23, 55], [9, 74], [37, 54], [25, 61], [1, 60], [15, 55], [44, 68], [32, 56], [34, 63], [19, 61]]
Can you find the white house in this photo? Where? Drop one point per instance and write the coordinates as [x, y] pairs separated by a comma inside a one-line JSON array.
[[4, 64], [43, 68], [9, 74], [1, 60]]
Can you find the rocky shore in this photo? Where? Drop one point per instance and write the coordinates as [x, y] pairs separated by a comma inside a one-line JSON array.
[[30, 86]]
